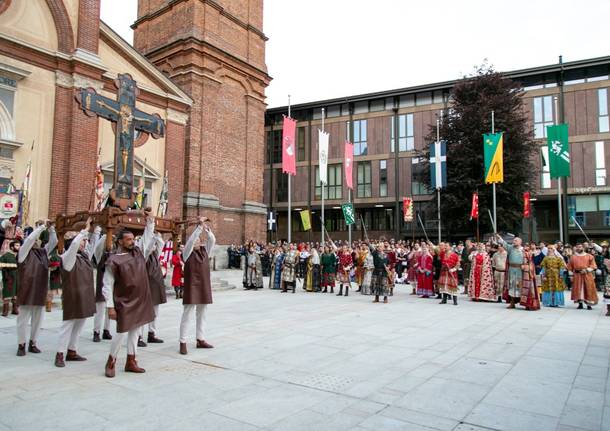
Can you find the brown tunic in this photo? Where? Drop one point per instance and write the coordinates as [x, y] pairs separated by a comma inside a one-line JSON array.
[[78, 299], [33, 278], [155, 279], [99, 278], [197, 284], [132, 300]]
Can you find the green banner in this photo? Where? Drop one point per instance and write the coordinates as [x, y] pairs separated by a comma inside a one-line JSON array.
[[306, 220], [493, 147], [559, 150], [348, 213]]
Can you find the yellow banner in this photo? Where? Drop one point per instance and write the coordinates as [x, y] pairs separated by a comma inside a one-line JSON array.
[[494, 164], [306, 220]]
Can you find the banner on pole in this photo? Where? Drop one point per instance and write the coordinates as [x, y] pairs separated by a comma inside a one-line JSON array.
[[306, 220], [348, 214], [474, 212], [349, 162], [9, 205], [323, 155], [271, 221], [407, 209], [493, 144], [559, 150], [527, 206], [289, 165], [438, 164]]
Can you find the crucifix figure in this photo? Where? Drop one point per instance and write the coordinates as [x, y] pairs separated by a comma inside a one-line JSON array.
[[128, 119]]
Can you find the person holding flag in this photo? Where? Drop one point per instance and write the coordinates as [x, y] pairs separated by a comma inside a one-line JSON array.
[[519, 282]]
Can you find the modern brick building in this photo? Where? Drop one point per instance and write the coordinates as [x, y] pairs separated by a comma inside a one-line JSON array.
[[581, 88]]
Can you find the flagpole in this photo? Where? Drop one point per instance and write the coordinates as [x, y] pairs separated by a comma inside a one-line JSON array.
[[493, 185], [349, 191], [325, 176], [289, 197], [438, 189], [559, 199]]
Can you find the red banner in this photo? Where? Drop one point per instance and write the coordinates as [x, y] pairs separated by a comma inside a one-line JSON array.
[[349, 164], [407, 209], [527, 207], [289, 164], [474, 212]]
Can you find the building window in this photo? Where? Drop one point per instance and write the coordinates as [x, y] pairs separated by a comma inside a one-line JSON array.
[[600, 164], [334, 188], [359, 139], [274, 146], [301, 144], [383, 178], [545, 173], [419, 184], [281, 191], [543, 115], [406, 139], [364, 180], [602, 100]]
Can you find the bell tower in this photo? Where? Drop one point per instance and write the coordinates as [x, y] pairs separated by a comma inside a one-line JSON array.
[[215, 51]]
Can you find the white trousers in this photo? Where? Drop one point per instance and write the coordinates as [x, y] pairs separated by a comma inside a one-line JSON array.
[[132, 342], [69, 333], [101, 315], [152, 326], [29, 314], [186, 316]]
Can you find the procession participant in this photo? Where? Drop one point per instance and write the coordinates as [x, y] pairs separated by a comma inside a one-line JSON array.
[[582, 269], [313, 271], [33, 282], [369, 266], [480, 281], [423, 267], [197, 283], [412, 273], [498, 261], [127, 294], [101, 317], [156, 282], [288, 268], [519, 285], [380, 274], [329, 265], [552, 281], [275, 280], [448, 283], [253, 271], [360, 257], [8, 263], [301, 267], [391, 255], [177, 273], [465, 262], [345, 265], [78, 300], [607, 287]]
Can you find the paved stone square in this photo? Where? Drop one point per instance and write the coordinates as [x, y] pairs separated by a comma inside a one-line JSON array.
[[318, 362]]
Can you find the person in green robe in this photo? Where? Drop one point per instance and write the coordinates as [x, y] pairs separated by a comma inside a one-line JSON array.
[[328, 262]]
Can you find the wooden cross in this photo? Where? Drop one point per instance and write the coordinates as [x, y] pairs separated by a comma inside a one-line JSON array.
[[128, 119]]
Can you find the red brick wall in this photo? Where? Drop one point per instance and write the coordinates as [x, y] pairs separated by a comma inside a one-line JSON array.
[[174, 164], [88, 25]]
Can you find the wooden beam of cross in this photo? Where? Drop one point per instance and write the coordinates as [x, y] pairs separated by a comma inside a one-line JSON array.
[[128, 119]]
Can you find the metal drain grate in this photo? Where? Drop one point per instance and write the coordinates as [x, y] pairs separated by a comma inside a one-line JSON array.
[[325, 382]]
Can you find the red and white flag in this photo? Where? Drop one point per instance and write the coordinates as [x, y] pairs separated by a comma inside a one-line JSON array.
[[527, 207], [349, 164], [289, 164], [407, 209], [474, 212]]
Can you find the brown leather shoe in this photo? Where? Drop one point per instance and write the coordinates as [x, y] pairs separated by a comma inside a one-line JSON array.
[[15, 307], [73, 356], [110, 366], [21, 350], [106, 335], [201, 344], [183, 349], [131, 366], [32, 348], [49, 306], [5, 309], [152, 338], [59, 360]]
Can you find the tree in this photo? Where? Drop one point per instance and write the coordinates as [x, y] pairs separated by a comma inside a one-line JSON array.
[[463, 125]]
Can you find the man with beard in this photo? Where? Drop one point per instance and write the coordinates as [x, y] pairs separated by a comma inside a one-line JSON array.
[[582, 269], [519, 284]]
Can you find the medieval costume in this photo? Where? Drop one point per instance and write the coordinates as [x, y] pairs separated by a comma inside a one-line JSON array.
[[288, 270], [156, 282], [582, 269], [448, 280], [8, 264], [312, 282], [412, 273], [359, 268], [127, 291], [54, 279], [177, 274], [101, 312], [392, 260], [607, 287], [367, 279], [520, 281], [480, 281], [275, 281], [253, 271], [301, 268], [33, 282], [197, 285], [552, 281], [498, 262], [328, 261], [380, 276], [424, 270], [345, 266], [78, 299]]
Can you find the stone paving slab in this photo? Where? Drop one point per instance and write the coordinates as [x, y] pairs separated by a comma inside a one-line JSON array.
[[309, 361]]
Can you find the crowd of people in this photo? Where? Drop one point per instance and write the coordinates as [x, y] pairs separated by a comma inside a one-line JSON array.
[[500, 269]]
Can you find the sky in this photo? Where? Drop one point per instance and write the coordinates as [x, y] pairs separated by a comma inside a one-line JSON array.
[[323, 49]]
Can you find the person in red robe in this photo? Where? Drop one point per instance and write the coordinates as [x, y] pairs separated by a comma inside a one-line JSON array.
[[424, 270], [582, 271], [448, 280], [412, 273], [345, 265], [177, 275], [480, 282]]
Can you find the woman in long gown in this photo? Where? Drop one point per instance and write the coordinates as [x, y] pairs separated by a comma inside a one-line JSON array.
[[553, 285], [425, 271], [275, 282], [368, 271]]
